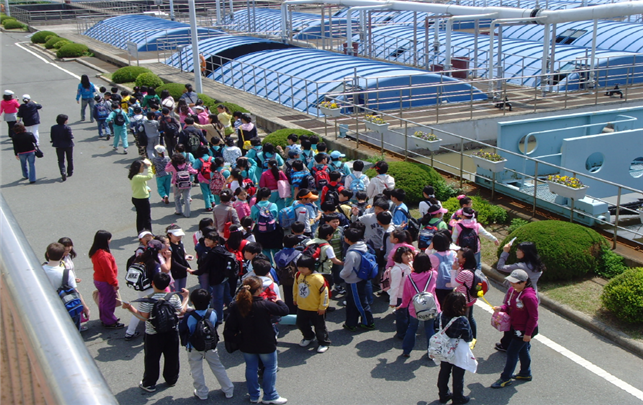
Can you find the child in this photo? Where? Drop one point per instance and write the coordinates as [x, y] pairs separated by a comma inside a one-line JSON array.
[[357, 303], [298, 177], [62, 140], [231, 152], [399, 238], [337, 164], [262, 269], [250, 251], [120, 122], [384, 219], [457, 216], [298, 228], [403, 258], [304, 213], [125, 97], [454, 306], [216, 186], [380, 182], [180, 266], [361, 204], [286, 267], [327, 256], [200, 164], [116, 98], [400, 210], [320, 166], [203, 224], [248, 224], [292, 140], [330, 192], [163, 178], [216, 148], [344, 202], [467, 233], [307, 154], [200, 299], [181, 195], [310, 295], [101, 111], [241, 203], [461, 278], [330, 212], [314, 140], [374, 232], [224, 212], [429, 199], [356, 181]]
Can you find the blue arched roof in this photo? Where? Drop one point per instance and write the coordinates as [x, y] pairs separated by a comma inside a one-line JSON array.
[[225, 46], [611, 35], [144, 30], [520, 58], [299, 78]]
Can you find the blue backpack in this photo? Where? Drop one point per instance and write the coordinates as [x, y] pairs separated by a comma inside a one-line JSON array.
[[70, 297], [287, 217], [357, 184], [102, 112], [368, 266], [266, 221]]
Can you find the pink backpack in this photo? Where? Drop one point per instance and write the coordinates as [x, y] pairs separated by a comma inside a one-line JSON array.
[[217, 182]]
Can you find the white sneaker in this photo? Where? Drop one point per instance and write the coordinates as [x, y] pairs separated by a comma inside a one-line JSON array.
[[229, 394], [200, 397], [322, 349], [276, 401], [305, 342]]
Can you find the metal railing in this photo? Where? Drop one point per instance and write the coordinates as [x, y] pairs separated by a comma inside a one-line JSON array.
[[97, 10], [47, 361]]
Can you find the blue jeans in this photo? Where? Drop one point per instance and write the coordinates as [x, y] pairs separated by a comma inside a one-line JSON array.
[[269, 375], [83, 105], [478, 258], [409, 339], [102, 126], [518, 349], [472, 322], [179, 284], [30, 158], [401, 320], [217, 292]]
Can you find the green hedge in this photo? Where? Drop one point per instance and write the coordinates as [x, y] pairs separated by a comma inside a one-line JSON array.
[[569, 251], [40, 37], [410, 177], [72, 51], [233, 107], [208, 102], [128, 74], [5, 17], [52, 41], [610, 264], [624, 296], [61, 43], [487, 213], [12, 24], [279, 137], [148, 80], [176, 90], [443, 191]]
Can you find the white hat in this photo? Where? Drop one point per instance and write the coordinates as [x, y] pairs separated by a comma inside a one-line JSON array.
[[8, 93], [159, 149], [26, 97], [144, 234], [198, 107], [177, 232]]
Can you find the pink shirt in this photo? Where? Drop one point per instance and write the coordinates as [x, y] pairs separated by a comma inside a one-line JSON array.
[[170, 169], [420, 280], [390, 262], [9, 107], [268, 180], [464, 280]]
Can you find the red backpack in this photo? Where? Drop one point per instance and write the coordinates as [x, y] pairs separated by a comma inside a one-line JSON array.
[[217, 182], [206, 168], [322, 178]]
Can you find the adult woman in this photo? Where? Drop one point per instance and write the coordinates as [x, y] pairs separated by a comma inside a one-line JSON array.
[[24, 147], [422, 273], [85, 96], [150, 259], [462, 279], [141, 193], [9, 106], [270, 179], [270, 241], [521, 303], [212, 130], [249, 324], [105, 279], [403, 262], [181, 195], [529, 261], [442, 260], [224, 115], [247, 130]]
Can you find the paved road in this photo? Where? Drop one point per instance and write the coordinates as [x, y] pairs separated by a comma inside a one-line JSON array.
[[571, 365]]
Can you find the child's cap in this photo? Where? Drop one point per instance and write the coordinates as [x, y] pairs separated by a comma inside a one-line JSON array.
[[337, 155], [159, 149], [144, 234], [176, 232]]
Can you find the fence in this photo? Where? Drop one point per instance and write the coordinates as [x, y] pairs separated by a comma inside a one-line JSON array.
[[30, 14], [44, 359]]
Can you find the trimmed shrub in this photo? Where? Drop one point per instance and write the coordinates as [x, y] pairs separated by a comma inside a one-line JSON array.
[[148, 80], [128, 74], [487, 213], [52, 41], [209, 102], [516, 223], [410, 177], [279, 137], [72, 51], [176, 89], [233, 107], [569, 251], [610, 264], [61, 43], [40, 37], [443, 191], [5, 17], [12, 24], [624, 296]]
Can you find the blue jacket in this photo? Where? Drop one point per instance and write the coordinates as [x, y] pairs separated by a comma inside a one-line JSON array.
[[61, 137], [122, 130], [85, 93], [29, 113]]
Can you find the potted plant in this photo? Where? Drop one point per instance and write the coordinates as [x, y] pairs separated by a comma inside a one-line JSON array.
[[375, 123], [330, 109], [489, 160], [425, 140], [567, 186]]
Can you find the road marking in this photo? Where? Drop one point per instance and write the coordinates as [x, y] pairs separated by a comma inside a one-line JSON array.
[[586, 364], [18, 44]]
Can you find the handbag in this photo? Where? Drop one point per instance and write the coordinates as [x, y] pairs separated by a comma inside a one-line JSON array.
[[441, 346], [284, 188], [38, 152], [464, 357], [501, 321], [247, 145]]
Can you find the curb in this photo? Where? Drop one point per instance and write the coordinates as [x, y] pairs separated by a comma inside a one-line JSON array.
[[579, 318]]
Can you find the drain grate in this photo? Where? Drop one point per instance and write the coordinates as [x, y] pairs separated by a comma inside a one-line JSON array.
[[294, 117], [309, 124]]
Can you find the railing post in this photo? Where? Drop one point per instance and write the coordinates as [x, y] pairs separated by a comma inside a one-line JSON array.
[[461, 160], [533, 211], [618, 211], [406, 140]]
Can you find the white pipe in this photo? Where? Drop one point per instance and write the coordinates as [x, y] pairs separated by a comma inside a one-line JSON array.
[[593, 57], [171, 10], [450, 20], [219, 20], [195, 48], [545, 61], [7, 10], [349, 23]]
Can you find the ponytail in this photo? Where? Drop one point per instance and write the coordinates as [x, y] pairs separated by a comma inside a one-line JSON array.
[[272, 164], [244, 298]]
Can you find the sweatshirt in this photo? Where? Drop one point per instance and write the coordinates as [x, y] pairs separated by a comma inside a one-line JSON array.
[[255, 332], [105, 268], [374, 232], [522, 307], [310, 292], [459, 329], [61, 137], [352, 261], [399, 272], [472, 223], [508, 268], [420, 280], [378, 184]]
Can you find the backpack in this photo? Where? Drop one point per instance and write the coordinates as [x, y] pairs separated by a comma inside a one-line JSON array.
[[314, 250], [287, 216], [321, 176], [204, 337], [119, 119], [217, 182], [183, 181], [412, 225], [444, 272], [441, 346], [385, 280], [424, 302], [426, 234], [206, 168], [139, 133], [163, 316], [136, 277], [332, 194], [69, 296], [308, 181], [102, 112], [265, 220], [249, 186], [480, 282], [357, 183], [468, 237], [171, 128], [368, 266], [287, 273], [229, 261], [307, 158], [194, 142]]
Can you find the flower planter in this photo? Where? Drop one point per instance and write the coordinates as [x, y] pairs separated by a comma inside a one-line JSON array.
[[376, 127], [567, 192], [331, 112], [424, 144], [494, 167]]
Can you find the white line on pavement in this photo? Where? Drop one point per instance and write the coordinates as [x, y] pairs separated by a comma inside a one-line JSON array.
[[586, 364], [18, 44]]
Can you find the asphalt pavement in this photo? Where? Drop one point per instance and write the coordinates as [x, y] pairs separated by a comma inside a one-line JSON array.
[[570, 364]]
